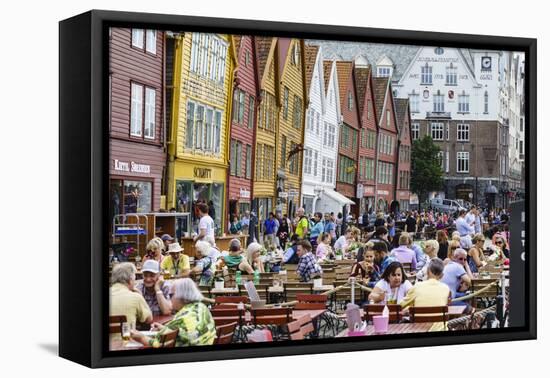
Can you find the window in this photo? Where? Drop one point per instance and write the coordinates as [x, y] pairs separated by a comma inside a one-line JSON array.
[[317, 122], [136, 110], [521, 147], [325, 134], [414, 101], [199, 124], [347, 169], [217, 131], [205, 43], [259, 158], [285, 103], [388, 118], [242, 99], [521, 125], [137, 38], [239, 162], [415, 130], [344, 142], [329, 135], [247, 59], [132, 196], [208, 128], [350, 101], [462, 162], [298, 113], [208, 55], [268, 166], [295, 55], [426, 75], [384, 72], [251, 111], [363, 138], [327, 170], [233, 158], [385, 173], [151, 42], [315, 159], [293, 160], [369, 169], [463, 132], [451, 75], [437, 130], [464, 103], [149, 131], [283, 152], [307, 161], [195, 41], [368, 107], [190, 124], [439, 103], [248, 169]]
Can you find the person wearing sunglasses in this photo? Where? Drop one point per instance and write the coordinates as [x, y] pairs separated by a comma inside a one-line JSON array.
[[457, 274]]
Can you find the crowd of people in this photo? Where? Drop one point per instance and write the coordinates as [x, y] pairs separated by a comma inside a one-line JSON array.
[[443, 263]]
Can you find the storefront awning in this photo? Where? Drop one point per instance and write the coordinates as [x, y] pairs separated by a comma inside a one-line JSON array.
[[335, 196]]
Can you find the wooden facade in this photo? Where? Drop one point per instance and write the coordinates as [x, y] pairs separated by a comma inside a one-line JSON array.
[[290, 133], [243, 125], [198, 158], [136, 128], [387, 143], [346, 176], [404, 150]]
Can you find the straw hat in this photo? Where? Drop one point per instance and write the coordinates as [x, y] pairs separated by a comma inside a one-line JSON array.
[[174, 248]]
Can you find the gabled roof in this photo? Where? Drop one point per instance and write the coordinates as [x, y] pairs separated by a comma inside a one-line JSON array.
[[361, 84], [400, 105], [343, 70], [380, 89], [263, 46], [327, 69], [284, 49], [311, 56]]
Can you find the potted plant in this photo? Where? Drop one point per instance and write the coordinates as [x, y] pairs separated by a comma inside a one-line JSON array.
[[317, 280], [339, 254], [218, 283]]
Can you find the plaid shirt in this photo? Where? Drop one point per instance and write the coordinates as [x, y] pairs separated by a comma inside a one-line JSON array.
[[308, 266]]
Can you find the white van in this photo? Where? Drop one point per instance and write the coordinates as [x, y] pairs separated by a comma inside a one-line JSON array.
[[445, 205]]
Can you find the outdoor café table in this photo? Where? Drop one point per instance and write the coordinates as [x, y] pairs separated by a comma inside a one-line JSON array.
[[117, 344], [296, 314], [225, 290], [395, 329], [453, 311]]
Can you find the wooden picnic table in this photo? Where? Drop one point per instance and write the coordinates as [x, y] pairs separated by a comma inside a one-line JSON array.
[[296, 314], [453, 312], [395, 329]]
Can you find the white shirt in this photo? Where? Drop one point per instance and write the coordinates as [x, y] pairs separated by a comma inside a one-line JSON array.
[[207, 223], [398, 293], [340, 243]]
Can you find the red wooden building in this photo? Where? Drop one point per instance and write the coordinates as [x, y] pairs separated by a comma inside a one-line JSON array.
[[136, 128], [403, 177], [243, 125], [346, 174], [387, 143], [368, 135]]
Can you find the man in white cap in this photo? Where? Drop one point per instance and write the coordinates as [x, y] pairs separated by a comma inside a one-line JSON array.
[[176, 263], [167, 239], [155, 291]]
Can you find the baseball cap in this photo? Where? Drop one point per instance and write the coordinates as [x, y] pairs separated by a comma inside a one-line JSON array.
[[166, 237], [150, 266]]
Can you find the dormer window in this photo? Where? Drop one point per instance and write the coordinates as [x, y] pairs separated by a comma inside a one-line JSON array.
[[384, 71]]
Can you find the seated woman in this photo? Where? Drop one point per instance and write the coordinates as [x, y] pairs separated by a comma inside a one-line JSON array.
[[392, 287], [154, 249], [365, 268], [499, 247], [453, 246], [476, 258], [235, 226], [235, 259], [193, 319], [205, 267], [431, 249], [324, 250], [253, 257]]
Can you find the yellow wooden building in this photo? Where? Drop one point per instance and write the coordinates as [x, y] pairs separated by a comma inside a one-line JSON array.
[[290, 133], [264, 187], [198, 147]]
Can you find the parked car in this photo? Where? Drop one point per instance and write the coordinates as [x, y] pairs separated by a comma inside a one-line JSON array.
[[445, 205]]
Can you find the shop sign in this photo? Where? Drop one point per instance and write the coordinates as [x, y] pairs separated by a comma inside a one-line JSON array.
[[360, 190], [383, 193], [369, 190], [124, 166], [292, 193], [283, 195], [245, 194], [202, 173]]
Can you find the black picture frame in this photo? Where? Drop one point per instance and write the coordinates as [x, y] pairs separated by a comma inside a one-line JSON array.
[[83, 181]]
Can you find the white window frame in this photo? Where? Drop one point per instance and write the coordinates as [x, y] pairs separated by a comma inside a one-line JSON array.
[[150, 110], [451, 75], [463, 132], [439, 103], [462, 162], [151, 41], [464, 103], [384, 72], [437, 130], [136, 112], [137, 38], [486, 102], [426, 75], [415, 130], [307, 161], [414, 100]]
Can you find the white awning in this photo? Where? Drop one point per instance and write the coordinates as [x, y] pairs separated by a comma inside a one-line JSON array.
[[335, 196]]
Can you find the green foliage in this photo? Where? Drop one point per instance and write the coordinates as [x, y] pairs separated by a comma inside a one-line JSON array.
[[426, 172]]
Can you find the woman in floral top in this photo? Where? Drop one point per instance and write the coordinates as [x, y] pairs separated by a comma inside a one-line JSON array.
[[193, 320]]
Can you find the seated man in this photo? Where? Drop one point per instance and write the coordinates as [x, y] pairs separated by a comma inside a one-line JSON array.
[[235, 259], [430, 292], [403, 253], [291, 256], [457, 274], [154, 289], [124, 298], [381, 258], [176, 263], [307, 265]]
